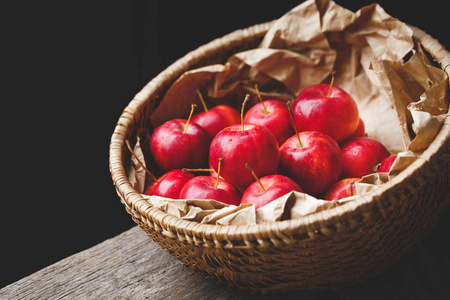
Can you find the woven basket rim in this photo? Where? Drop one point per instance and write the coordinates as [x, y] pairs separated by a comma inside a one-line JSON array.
[[307, 225]]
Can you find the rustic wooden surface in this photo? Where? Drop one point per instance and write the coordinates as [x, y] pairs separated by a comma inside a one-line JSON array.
[[132, 266]]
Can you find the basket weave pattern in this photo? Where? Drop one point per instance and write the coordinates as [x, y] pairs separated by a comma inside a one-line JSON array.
[[331, 248]]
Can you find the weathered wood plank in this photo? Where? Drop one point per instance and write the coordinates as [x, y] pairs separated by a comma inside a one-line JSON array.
[[132, 266], [129, 266]]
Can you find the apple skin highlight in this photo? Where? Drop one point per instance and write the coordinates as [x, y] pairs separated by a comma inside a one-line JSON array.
[[315, 165], [204, 187], [361, 155], [255, 145], [336, 115], [341, 189], [217, 118], [170, 184], [172, 148], [276, 117], [275, 187], [387, 163]]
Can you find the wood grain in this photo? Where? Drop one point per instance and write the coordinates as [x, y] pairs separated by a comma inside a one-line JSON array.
[[132, 266]]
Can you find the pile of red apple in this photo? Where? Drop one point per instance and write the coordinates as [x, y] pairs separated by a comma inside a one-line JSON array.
[[316, 145]]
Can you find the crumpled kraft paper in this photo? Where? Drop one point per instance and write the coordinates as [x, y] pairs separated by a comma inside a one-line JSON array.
[[214, 212], [376, 61], [419, 93]]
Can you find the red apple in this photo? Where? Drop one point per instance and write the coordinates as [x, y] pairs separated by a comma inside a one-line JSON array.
[[312, 159], [341, 189], [241, 144], [254, 144], [274, 115], [359, 132], [361, 155], [360, 129], [328, 109], [179, 143], [217, 118], [276, 118], [387, 163], [170, 184], [268, 188], [204, 187]]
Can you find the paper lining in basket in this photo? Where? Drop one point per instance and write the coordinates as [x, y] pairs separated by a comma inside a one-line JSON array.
[[377, 62]]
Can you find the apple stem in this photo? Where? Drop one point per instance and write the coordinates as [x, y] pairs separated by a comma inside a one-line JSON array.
[[331, 84], [376, 167], [189, 119], [352, 184], [242, 110], [196, 170], [218, 172], [288, 104], [139, 161], [261, 100], [202, 100], [256, 176]]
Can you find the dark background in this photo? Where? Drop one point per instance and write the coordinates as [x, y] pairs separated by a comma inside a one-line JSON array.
[[69, 69]]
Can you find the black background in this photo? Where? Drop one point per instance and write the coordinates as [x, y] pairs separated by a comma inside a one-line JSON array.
[[69, 69]]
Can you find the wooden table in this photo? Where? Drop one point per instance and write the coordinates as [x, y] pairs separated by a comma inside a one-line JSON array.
[[132, 266]]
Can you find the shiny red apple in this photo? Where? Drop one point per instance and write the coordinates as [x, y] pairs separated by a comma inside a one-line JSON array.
[[360, 129], [341, 189], [274, 115], [312, 159], [211, 187], [328, 109], [179, 143], [361, 155], [241, 144], [268, 188], [254, 144], [387, 163], [170, 184], [217, 118]]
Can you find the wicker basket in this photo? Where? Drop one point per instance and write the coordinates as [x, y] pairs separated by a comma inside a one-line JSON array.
[[332, 248]]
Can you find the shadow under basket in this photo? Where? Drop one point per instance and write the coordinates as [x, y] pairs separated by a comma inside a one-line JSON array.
[[328, 249]]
